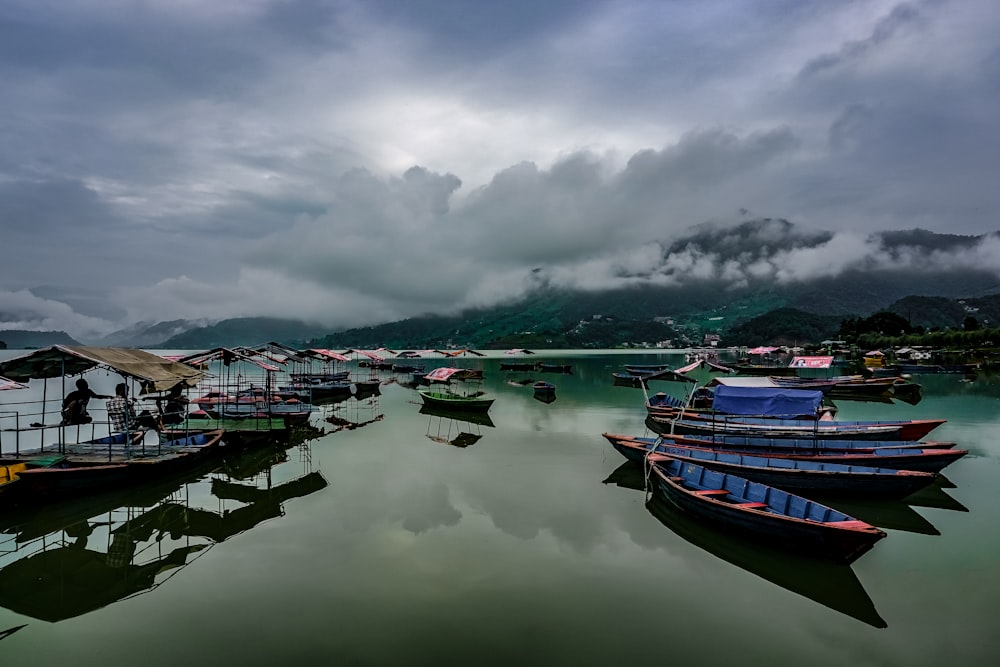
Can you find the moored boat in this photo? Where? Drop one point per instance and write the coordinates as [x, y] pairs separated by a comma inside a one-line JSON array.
[[80, 474], [803, 475], [902, 458], [692, 423], [448, 400], [764, 511]]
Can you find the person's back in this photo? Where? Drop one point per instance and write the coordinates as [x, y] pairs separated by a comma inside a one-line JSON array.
[[121, 411], [74, 407]]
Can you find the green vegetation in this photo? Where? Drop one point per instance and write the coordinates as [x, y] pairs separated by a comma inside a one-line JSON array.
[[784, 326], [16, 339]]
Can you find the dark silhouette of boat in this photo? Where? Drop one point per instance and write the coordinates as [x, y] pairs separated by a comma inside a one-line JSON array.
[[832, 585]]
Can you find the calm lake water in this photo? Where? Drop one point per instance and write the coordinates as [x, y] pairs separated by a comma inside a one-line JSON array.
[[532, 545]]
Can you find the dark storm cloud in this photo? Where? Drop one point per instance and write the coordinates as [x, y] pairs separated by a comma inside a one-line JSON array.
[[270, 157]]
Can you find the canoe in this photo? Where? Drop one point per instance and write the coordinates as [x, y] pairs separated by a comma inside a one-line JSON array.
[[555, 368], [802, 475], [926, 460], [763, 511], [451, 401], [767, 444], [692, 423]]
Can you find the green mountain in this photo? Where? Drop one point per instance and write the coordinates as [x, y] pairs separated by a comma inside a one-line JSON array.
[[243, 331], [25, 340]]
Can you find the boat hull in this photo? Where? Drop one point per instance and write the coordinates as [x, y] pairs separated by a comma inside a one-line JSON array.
[[757, 509], [454, 402], [921, 460], [803, 475]]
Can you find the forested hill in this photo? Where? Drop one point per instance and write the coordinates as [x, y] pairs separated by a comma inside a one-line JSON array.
[[16, 339]]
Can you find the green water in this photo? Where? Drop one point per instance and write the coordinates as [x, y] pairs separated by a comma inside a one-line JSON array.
[[532, 545]]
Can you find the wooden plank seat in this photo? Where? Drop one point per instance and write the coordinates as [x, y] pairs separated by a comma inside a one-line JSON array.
[[712, 492], [751, 505]]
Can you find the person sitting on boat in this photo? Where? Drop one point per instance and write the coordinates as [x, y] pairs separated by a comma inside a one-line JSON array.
[[121, 410], [74, 406], [173, 406]]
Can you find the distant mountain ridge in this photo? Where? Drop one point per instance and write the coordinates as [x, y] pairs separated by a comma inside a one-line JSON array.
[[713, 280], [16, 339]]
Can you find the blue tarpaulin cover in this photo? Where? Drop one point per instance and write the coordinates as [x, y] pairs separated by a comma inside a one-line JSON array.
[[766, 401]]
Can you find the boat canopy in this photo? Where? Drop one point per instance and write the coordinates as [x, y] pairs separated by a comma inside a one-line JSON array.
[[763, 350], [154, 372], [442, 374], [374, 356], [811, 362], [765, 401], [228, 356], [745, 381], [10, 384], [329, 354]]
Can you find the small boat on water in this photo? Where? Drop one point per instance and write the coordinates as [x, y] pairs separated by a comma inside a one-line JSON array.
[[901, 458], [543, 387], [765, 444], [544, 391], [518, 366], [689, 423], [802, 475], [555, 368], [764, 511], [447, 400], [82, 473]]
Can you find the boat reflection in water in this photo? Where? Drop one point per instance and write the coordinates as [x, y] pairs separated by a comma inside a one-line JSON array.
[[831, 584], [455, 427], [70, 558], [354, 411]]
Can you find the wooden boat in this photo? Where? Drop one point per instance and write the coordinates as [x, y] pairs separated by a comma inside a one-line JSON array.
[[543, 387], [626, 380], [692, 423], [80, 474], [448, 400], [407, 368], [518, 366], [555, 368], [764, 511], [902, 458], [645, 369], [367, 387], [769, 444], [802, 475]]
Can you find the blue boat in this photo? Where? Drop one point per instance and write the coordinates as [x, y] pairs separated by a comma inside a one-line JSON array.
[[802, 475], [763, 511], [901, 458]]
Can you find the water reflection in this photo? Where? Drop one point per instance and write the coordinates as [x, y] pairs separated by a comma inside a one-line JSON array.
[[451, 427], [65, 559], [884, 513], [832, 585], [355, 411]]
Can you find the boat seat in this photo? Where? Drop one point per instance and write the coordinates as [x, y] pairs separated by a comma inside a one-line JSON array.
[[712, 492], [751, 505]]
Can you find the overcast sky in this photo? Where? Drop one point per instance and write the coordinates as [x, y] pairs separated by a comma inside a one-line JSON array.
[[356, 162]]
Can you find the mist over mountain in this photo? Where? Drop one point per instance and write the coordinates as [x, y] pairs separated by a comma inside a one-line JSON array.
[[708, 280]]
